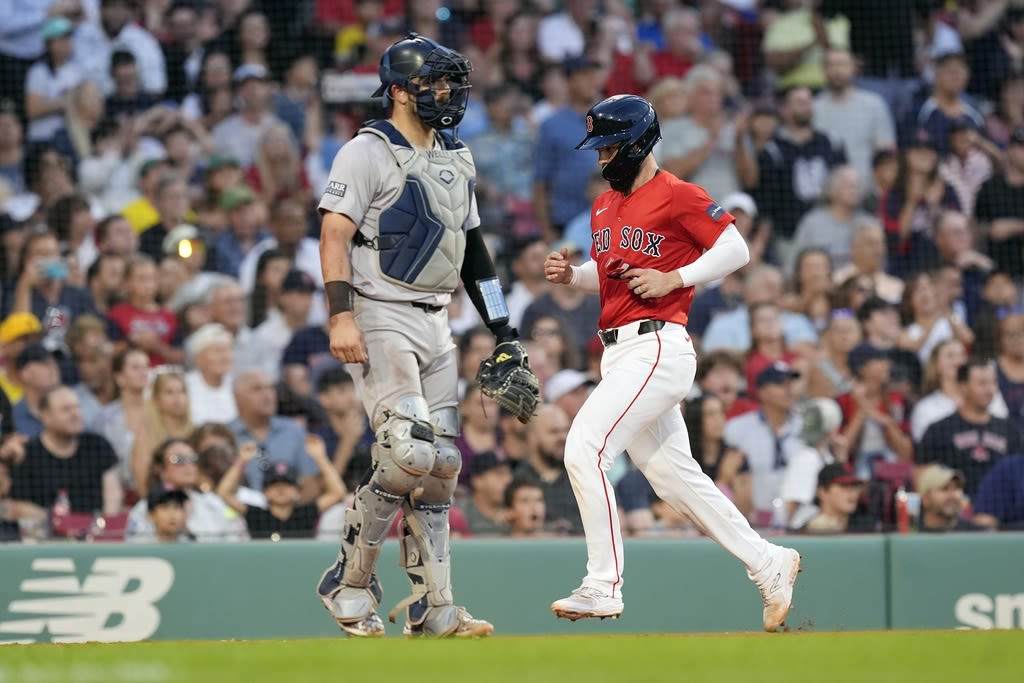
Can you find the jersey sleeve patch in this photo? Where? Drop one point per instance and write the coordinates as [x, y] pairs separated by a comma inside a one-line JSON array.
[[336, 188], [715, 212]]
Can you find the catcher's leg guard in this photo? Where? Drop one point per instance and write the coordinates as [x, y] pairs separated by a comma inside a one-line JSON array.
[[404, 454]]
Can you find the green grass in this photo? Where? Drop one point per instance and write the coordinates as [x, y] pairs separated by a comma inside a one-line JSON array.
[[877, 657]]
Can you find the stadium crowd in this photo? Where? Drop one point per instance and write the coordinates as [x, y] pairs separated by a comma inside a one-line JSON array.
[[164, 361]]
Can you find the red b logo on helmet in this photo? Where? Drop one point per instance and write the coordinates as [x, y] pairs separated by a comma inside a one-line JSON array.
[[590, 124]]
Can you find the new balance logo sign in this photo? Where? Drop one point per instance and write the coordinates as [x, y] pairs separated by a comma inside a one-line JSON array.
[[115, 602]]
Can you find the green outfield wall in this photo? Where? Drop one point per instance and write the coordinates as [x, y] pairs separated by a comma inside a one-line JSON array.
[[90, 592]]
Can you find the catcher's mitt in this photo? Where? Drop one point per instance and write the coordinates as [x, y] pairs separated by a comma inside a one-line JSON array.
[[505, 376]]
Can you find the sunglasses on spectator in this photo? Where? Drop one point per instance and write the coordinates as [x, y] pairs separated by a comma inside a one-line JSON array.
[[179, 459]]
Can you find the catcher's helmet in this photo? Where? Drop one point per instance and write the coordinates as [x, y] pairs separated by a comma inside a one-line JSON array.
[[630, 122], [417, 57]]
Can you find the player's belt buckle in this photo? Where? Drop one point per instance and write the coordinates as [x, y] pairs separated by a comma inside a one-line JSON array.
[[611, 337], [429, 308]]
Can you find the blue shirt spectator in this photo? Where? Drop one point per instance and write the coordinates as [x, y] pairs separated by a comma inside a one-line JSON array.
[[1001, 493], [285, 442]]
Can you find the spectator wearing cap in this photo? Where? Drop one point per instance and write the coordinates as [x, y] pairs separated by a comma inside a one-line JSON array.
[[205, 517], [285, 516], [831, 225], [479, 433], [769, 437], [65, 457], [837, 497], [880, 321], [243, 231], [822, 444], [17, 331], [568, 389], [859, 118], [875, 417], [485, 509], [278, 439], [560, 171], [867, 260], [119, 29], [1000, 208], [49, 81], [794, 167], [186, 255], [210, 394], [166, 514], [38, 374], [222, 172], [701, 147], [289, 233], [971, 440], [731, 330], [294, 303], [12, 150], [942, 500], [545, 463], [174, 207], [999, 501], [953, 242], [240, 133], [345, 430]]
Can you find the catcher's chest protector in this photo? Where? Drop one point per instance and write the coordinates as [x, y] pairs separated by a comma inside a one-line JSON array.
[[420, 237]]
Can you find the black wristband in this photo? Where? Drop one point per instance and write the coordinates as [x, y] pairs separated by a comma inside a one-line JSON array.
[[339, 296], [504, 332]]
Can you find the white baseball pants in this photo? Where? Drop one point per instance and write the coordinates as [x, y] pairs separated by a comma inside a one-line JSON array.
[[635, 408]]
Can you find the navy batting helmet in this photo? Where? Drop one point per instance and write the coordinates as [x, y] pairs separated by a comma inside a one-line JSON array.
[[629, 122], [426, 61]]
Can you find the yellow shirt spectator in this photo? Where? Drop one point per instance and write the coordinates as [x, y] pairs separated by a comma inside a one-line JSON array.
[[794, 30]]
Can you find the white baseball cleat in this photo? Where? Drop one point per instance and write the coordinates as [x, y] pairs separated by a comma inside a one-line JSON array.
[[776, 587], [587, 602]]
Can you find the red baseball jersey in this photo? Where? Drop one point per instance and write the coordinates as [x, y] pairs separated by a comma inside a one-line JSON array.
[[664, 224]]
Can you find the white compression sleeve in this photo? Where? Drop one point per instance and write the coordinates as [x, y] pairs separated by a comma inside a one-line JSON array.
[[728, 253], [585, 277]]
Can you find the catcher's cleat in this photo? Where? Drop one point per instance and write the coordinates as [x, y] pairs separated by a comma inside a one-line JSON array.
[[465, 625], [776, 587], [587, 602], [354, 609]]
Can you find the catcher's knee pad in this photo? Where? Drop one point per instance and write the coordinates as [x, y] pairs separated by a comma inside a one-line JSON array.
[[448, 461], [405, 451]]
